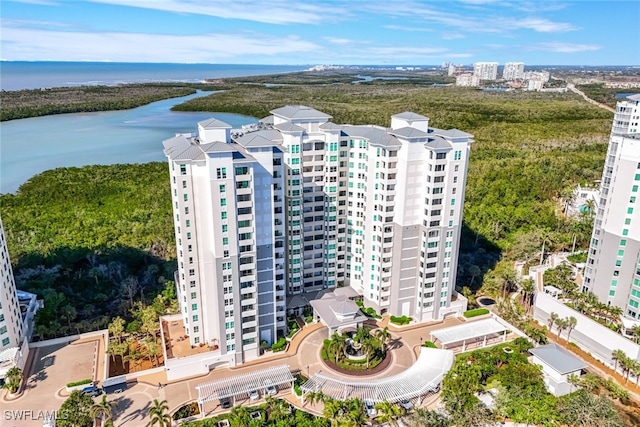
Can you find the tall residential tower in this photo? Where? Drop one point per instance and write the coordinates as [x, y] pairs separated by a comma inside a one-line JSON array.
[[613, 265], [485, 70], [11, 324], [298, 204]]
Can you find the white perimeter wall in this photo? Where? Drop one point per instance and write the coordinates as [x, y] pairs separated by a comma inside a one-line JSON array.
[[591, 336]]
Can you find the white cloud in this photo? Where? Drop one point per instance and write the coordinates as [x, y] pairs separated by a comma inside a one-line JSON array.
[[410, 29], [272, 12], [543, 25], [563, 47], [452, 36], [41, 44], [338, 40]]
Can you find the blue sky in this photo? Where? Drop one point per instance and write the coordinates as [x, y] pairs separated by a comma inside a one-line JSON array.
[[409, 32]]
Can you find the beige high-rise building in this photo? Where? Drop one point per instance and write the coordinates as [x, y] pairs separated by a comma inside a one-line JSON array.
[[297, 205], [485, 70], [513, 71]]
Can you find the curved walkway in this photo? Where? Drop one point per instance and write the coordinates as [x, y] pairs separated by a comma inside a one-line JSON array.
[[573, 88]]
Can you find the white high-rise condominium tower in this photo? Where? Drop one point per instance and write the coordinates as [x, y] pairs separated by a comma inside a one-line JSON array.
[[513, 71], [299, 204], [613, 265], [11, 325], [485, 70]]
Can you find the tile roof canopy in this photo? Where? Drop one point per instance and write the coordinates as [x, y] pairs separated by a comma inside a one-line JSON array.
[[558, 358], [376, 135], [409, 133], [299, 112], [421, 378], [408, 115], [474, 329], [337, 310], [214, 123], [261, 138], [288, 127], [452, 133]]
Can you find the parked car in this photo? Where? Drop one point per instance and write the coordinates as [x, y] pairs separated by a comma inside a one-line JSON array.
[[254, 395], [225, 403], [92, 391], [371, 410], [269, 388], [406, 404]]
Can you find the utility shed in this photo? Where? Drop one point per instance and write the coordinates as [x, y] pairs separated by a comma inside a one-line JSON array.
[[557, 366]]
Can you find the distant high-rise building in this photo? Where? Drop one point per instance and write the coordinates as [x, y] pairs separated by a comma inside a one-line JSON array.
[[485, 70], [513, 71], [298, 204], [613, 265], [11, 325], [467, 79]]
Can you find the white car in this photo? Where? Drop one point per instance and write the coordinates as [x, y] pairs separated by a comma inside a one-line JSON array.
[[371, 410], [254, 395], [269, 388], [406, 404]]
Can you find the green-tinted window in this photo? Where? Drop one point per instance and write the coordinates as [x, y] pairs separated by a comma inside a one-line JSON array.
[[625, 232], [225, 228], [223, 215], [623, 242], [630, 211], [225, 240], [621, 252], [612, 293], [223, 202], [634, 188]]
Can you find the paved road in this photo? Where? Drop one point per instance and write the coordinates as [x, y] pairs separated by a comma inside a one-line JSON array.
[[573, 88]]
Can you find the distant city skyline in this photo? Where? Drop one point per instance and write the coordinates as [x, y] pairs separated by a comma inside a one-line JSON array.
[[336, 32]]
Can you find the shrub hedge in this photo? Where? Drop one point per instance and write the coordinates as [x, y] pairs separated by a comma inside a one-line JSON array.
[[400, 320], [475, 312], [81, 382]]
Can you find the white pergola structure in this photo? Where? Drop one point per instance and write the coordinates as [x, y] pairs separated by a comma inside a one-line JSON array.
[[241, 385], [470, 332], [422, 378]]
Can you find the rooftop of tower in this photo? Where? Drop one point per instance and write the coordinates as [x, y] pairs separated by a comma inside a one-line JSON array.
[[299, 112]]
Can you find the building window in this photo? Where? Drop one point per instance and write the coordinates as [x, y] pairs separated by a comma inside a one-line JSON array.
[[5, 342], [221, 173], [223, 188], [194, 307], [193, 295], [183, 169], [196, 329], [186, 197], [223, 215]]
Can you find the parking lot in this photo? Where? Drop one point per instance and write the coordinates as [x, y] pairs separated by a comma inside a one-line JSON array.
[[51, 368]]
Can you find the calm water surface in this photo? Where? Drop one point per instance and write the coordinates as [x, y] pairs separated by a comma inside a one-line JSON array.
[[31, 146]]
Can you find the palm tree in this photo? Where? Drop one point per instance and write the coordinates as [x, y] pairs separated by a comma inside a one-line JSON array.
[[337, 344], [552, 319], [239, 416], [13, 378], [383, 336], [572, 322], [102, 410], [561, 325], [388, 412], [626, 363], [617, 356], [528, 287], [159, 414], [574, 380]]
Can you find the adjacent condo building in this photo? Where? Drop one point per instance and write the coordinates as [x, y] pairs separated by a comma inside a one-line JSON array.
[[613, 265], [513, 71], [485, 70], [297, 204]]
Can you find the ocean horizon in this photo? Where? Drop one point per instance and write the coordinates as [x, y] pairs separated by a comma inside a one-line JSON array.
[[18, 75]]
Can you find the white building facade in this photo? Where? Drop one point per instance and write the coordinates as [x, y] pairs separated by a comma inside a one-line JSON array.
[[11, 324], [613, 265], [513, 71], [299, 204], [485, 70]]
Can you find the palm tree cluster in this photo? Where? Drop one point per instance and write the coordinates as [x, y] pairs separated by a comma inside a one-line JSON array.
[[567, 324], [12, 379], [371, 344], [628, 365], [141, 337]]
